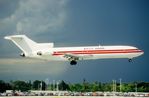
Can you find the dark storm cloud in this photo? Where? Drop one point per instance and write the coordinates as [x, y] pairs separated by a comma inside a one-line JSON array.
[[108, 22], [30, 17], [34, 16], [7, 7], [75, 23]]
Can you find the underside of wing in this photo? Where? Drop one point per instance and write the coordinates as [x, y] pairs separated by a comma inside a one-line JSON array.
[[76, 57]]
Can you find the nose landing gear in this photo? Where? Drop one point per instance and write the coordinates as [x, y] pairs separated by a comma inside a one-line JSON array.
[[129, 60], [73, 62]]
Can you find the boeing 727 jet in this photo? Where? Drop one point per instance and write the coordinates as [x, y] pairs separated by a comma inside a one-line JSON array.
[[47, 51]]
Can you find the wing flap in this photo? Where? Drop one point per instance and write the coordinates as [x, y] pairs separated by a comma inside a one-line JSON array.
[[70, 56]]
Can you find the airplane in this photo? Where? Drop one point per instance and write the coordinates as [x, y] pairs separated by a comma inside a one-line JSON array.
[[47, 51]]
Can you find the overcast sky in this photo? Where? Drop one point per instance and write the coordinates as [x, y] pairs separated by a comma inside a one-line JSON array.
[[75, 23]]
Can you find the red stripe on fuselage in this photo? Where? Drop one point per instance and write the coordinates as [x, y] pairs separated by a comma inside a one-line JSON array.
[[98, 51]]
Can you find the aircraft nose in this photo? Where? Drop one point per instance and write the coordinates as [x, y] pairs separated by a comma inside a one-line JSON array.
[[141, 52]]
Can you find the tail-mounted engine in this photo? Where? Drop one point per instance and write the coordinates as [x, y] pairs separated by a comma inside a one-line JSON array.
[[22, 54], [39, 53], [45, 53]]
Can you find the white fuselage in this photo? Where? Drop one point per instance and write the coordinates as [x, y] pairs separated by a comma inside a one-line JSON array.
[[90, 52], [47, 51]]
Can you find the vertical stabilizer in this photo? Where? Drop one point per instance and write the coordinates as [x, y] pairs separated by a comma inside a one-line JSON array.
[[23, 42]]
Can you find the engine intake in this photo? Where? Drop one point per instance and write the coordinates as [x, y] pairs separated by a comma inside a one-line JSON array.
[[39, 53], [22, 54]]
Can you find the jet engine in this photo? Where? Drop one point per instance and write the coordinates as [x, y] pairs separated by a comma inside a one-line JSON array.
[[39, 53], [22, 54]]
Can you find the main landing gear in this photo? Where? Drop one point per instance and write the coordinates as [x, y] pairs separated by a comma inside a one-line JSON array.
[[129, 60], [73, 62]]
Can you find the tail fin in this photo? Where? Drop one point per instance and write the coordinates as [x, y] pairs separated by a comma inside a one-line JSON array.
[[23, 42]]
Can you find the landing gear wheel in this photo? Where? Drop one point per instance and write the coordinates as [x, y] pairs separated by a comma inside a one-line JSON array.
[[73, 62], [130, 60]]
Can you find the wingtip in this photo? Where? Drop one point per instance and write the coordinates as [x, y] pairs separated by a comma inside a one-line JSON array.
[[11, 36], [7, 37]]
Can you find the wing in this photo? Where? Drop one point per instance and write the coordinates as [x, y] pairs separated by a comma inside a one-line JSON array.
[[71, 56]]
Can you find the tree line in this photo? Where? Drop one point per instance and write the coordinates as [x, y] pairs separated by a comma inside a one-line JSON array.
[[19, 85]]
